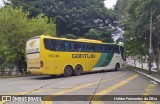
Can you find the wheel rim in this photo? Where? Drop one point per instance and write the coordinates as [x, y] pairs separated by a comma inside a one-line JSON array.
[[78, 70], [68, 71]]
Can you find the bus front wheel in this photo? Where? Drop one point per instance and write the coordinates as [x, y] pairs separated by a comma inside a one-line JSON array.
[[78, 70], [68, 71]]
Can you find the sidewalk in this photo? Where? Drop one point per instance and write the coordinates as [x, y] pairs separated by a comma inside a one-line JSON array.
[[138, 65], [154, 76]]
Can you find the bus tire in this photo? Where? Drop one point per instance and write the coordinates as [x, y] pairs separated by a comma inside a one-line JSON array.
[[68, 71], [117, 66], [78, 70]]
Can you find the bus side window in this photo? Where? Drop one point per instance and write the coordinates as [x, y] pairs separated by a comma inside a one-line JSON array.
[[75, 47], [72, 46], [53, 45], [79, 47], [92, 48], [83, 47], [62, 45], [57, 45], [68, 46], [107, 48], [89, 48], [97, 48], [47, 44], [102, 48], [113, 48]]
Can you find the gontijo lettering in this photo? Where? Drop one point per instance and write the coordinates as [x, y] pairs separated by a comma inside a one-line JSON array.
[[83, 55], [35, 50]]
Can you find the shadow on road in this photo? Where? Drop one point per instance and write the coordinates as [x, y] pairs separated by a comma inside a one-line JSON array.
[[102, 71], [48, 77]]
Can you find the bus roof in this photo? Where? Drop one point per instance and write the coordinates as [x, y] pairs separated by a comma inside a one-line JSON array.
[[76, 40], [90, 40]]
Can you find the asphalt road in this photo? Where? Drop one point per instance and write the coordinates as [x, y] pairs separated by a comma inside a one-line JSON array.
[[124, 82]]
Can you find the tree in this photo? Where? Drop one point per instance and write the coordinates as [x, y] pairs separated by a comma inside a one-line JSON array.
[[103, 35], [72, 16], [16, 28], [137, 26], [120, 8]]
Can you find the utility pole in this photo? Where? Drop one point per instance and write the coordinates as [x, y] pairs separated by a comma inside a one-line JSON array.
[[150, 46]]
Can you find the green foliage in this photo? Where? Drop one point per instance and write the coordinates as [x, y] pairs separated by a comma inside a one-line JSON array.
[[134, 31], [103, 35], [71, 16], [120, 8], [137, 26], [69, 36], [16, 28]]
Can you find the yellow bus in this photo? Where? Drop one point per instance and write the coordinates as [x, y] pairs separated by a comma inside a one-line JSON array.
[[55, 56]]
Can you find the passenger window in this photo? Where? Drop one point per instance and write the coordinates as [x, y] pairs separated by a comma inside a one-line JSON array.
[[47, 44], [53, 45], [62, 46]]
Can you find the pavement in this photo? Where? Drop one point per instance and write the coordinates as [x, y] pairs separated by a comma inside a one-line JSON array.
[[145, 72], [153, 76], [15, 75], [136, 66]]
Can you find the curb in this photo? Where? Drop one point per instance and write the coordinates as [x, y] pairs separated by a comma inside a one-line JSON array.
[[149, 76]]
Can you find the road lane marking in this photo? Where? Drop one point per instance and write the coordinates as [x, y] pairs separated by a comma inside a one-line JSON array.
[[85, 85], [66, 91], [3, 102], [148, 91], [110, 89], [80, 87]]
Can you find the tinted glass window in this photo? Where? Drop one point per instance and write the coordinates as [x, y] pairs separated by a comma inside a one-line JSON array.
[[61, 45], [47, 44], [83, 46], [53, 45], [111, 48], [115, 48], [50, 44]]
